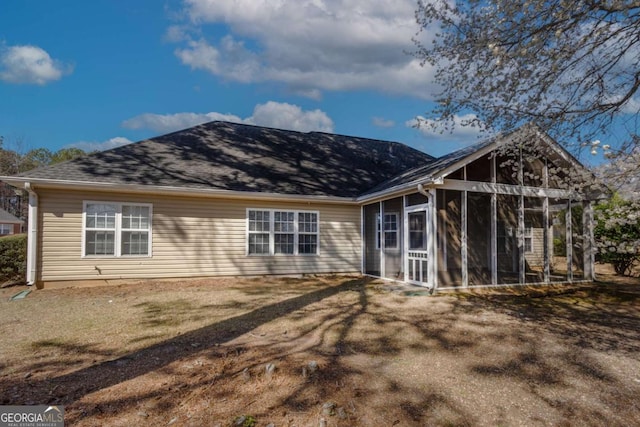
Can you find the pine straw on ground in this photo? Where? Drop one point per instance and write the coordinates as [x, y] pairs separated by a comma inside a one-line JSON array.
[[194, 353]]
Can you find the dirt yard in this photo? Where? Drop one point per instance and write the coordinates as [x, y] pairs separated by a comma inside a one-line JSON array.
[[197, 353]]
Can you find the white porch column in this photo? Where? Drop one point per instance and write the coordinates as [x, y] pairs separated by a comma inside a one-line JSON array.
[[494, 239], [569, 235], [589, 243], [432, 263], [523, 261], [494, 226], [547, 239], [464, 252], [363, 249], [381, 237]]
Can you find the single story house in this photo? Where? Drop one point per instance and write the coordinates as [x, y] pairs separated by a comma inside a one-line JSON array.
[[9, 223], [227, 199]]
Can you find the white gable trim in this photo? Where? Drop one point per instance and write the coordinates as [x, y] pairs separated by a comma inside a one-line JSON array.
[[167, 190]]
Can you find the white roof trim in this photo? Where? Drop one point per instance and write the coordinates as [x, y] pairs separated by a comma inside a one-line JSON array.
[[498, 140], [397, 190], [168, 190], [430, 179]]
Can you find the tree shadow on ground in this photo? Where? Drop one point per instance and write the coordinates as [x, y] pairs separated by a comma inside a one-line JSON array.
[[75, 385], [236, 373], [601, 316], [465, 333]]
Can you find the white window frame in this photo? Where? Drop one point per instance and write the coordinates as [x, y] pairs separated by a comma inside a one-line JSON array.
[[528, 237], [271, 232], [289, 232], [262, 231], [7, 227], [381, 224], [118, 229], [504, 235]]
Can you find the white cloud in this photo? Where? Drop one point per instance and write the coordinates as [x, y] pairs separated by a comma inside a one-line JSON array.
[[271, 114], [88, 146], [308, 45], [171, 122], [288, 116], [382, 122], [314, 94], [29, 64], [461, 132], [176, 33], [631, 106]]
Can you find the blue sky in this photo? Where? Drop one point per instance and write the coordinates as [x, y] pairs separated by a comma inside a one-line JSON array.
[[98, 73]]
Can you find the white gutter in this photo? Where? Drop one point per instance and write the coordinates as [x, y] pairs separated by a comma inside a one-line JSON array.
[[169, 190], [396, 191], [32, 235]]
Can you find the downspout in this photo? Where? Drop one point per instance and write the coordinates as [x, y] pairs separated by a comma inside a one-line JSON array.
[[32, 235], [431, 229], [422, 190]]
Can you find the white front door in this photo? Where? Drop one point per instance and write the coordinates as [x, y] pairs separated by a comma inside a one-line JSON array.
[[417, 245]]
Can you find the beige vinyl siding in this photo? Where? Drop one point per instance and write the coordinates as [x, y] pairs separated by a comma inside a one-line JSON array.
[[191, 237], [535, 258]]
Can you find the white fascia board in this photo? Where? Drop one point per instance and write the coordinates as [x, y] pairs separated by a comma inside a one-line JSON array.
[[514, 190], [440, 180], [428, 180], [167, 190], [397, 191], [497, 141], [557, 148], [431, 179], [506, 139]]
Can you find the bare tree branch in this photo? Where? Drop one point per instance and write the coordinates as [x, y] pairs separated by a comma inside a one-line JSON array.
[[573, 67]]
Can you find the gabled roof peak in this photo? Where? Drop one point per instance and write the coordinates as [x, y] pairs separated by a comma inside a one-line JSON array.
[[442, 166]]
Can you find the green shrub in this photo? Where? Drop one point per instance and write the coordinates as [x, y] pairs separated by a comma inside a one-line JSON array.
[[617, 233], [559, 247], [13, 258]]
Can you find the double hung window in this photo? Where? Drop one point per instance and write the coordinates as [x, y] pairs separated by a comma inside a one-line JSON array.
[[116, 229], [307, 233], [389, 231], [282, 232], [528, 238]]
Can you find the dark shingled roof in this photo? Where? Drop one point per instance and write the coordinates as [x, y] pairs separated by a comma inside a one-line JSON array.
[[431, 169], [238, 157], [6, 217]]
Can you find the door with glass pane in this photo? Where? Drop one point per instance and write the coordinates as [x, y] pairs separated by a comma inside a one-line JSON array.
[[417, 246]]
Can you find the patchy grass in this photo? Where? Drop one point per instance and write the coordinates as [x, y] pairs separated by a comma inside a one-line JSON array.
[[196, 353]]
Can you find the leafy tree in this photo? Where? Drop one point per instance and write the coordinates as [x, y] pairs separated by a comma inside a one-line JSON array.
[[617, 233], [10, 198], [10, 162], [13, 162], [65, 154], [570, 66], [35, 158]]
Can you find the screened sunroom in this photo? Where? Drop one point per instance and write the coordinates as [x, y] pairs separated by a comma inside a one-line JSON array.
[[510, 211]]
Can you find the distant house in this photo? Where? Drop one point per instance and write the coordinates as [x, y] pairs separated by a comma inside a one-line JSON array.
[[225, 199], [10, 224]]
